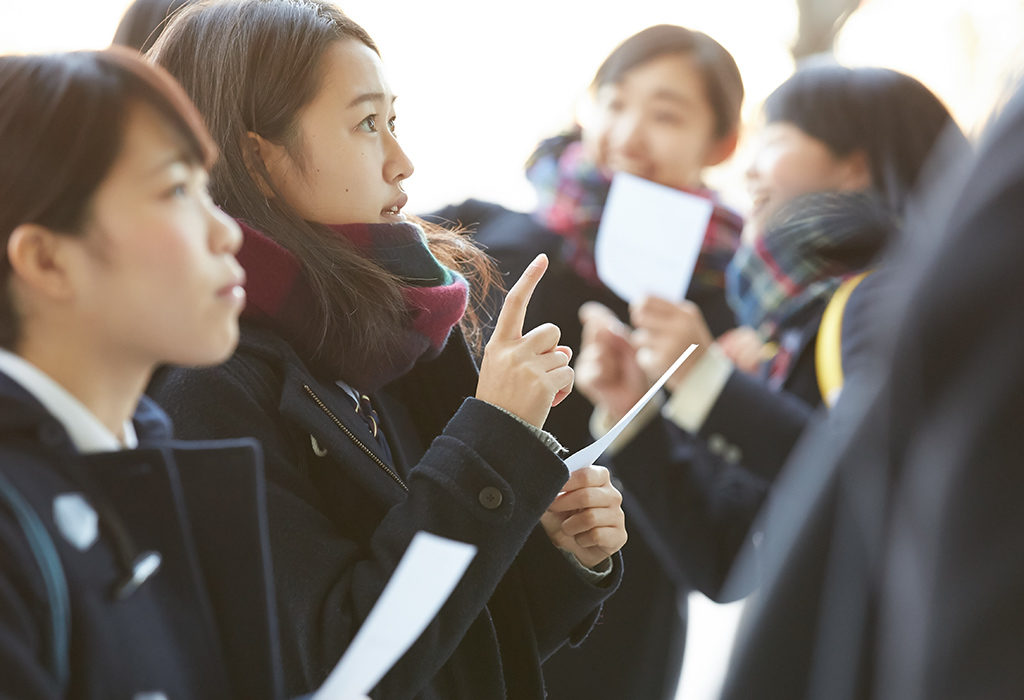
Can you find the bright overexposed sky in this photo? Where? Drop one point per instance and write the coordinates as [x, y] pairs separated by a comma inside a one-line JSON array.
[[481, 83]]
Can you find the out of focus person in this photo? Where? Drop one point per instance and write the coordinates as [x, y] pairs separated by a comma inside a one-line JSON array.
[[893, 548], [665, 106], [834, 165], [131, 565], [142, 22]]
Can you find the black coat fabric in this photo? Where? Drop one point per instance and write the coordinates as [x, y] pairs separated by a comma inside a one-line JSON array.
[[696, 497], [635, 650], [342, 513], [202, 626], [896, 563]]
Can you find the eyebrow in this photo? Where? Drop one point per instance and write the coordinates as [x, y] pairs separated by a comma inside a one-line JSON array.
[[370, 97], [673, 97]]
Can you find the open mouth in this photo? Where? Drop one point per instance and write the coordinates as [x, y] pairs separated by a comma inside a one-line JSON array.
[[394, 212]]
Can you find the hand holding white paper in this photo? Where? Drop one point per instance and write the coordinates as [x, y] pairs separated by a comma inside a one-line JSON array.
[[649, 238], [423, 580], [589, 454]]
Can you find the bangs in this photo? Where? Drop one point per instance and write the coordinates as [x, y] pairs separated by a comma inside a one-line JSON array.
[[155, 87]]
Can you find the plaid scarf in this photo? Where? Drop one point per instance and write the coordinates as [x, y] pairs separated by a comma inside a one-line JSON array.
[[807, 250], [571, 192], [279, 297]]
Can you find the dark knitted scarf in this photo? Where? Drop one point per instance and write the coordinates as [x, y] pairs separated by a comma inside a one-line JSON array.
[[280, 297], [808, 249], [571, 192]]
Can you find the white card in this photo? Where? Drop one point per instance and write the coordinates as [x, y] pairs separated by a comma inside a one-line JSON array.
[[589, 454], [649, 238], [422, 582]]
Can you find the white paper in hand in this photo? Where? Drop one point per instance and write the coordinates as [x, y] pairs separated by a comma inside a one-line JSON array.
[[589, 454], [649, 238], [422, 582]]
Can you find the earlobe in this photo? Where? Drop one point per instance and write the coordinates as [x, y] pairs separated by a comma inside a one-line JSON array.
[[38, 260], [858, 172], [722, 149]]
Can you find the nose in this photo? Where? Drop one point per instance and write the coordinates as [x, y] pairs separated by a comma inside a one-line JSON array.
[[397, 166], [224, 234]]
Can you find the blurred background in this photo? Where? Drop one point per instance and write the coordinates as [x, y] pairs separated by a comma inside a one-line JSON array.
[[480, 83]]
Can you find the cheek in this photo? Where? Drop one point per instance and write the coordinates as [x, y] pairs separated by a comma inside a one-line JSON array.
[[595, 141], [786, 173], [678, 156]]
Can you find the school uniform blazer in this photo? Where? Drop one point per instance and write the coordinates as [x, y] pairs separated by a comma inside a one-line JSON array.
[[896, 562], [695, 497], [202, 626], [342, 514], [645, 615]]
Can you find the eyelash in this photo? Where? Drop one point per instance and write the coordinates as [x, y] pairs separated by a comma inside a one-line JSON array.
[[371, 124], [179, 189]]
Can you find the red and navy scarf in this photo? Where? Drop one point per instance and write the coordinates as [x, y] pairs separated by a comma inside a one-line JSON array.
[[571, 193], [280, 297]]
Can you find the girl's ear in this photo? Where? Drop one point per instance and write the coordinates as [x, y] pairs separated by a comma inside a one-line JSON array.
[[259, 153], [41, 261], [857, 172], [722, 148]]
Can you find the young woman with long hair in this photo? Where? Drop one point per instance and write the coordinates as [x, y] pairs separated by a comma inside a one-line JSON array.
[[354, 373]]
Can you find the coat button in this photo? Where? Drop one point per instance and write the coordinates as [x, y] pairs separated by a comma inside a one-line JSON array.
[[717, 444], [490, 497]]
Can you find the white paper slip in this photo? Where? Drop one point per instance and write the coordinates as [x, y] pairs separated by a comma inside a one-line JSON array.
[[422, 582], [589, 454], [649, 238]]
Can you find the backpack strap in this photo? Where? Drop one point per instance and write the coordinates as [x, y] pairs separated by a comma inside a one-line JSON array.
[[828, 348], [45, 553]]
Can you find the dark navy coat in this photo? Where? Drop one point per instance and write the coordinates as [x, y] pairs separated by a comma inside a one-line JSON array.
[[201, 626], [894, 557], [342, 512], [636, 649]]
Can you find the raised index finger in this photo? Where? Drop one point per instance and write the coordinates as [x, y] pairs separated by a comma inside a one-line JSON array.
[[513, 312]]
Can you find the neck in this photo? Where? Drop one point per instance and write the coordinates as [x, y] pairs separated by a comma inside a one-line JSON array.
[[107, 384]]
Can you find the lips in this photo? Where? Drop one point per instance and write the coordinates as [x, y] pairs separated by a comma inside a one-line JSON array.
[[395, 208], [235, 288]]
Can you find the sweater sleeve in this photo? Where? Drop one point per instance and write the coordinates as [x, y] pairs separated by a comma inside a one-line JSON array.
[[334, 548]]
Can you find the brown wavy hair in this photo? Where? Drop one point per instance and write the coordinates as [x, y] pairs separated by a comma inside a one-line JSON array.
[[251, 66]]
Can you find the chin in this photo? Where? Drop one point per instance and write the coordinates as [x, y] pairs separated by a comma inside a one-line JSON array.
[[211, 352]]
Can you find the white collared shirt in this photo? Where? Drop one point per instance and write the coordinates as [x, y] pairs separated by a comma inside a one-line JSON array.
[[87, 433]]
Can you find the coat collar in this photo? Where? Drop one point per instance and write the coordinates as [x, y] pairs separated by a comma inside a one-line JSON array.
[[21, 413], [413, 409]]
